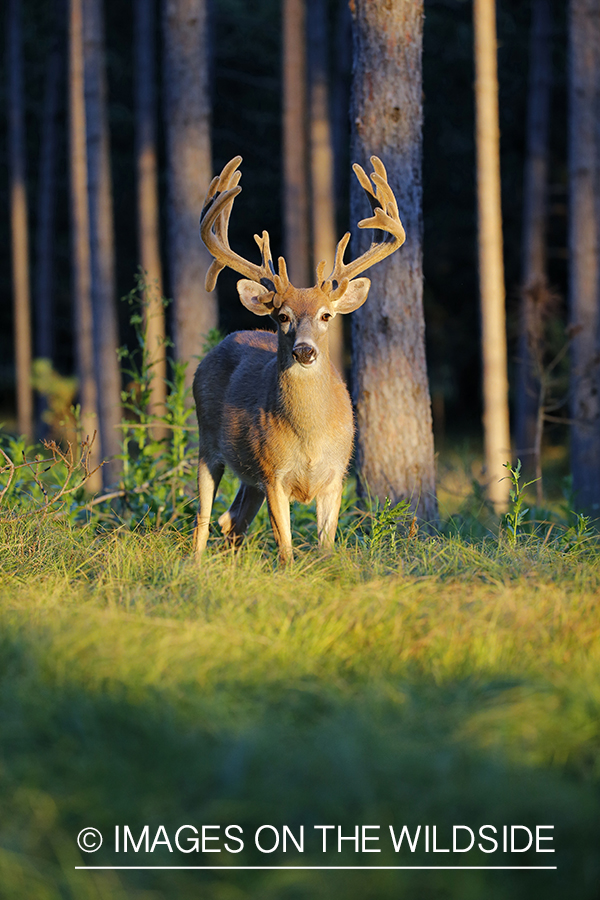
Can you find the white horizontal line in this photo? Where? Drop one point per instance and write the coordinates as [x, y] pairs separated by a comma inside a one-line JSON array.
[[324, 868]]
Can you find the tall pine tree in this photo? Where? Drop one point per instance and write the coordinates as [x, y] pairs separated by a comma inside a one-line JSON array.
[[393, 409]]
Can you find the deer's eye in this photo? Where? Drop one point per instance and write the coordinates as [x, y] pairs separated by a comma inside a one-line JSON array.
[[326, 317], [283, 319]]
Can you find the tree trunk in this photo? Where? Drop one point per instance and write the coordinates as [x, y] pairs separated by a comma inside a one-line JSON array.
[[80, 235], [491, 268], [187, 121], [584, 234], [18, 219], [535, 283], [322, 163], [395, 439], [295, 165], [147, 198], [44, 324], [102, 249]]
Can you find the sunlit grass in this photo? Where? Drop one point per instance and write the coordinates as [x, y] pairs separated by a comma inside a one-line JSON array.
[[456, 679]]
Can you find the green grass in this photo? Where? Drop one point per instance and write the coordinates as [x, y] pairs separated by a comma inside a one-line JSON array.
[[456, 681]]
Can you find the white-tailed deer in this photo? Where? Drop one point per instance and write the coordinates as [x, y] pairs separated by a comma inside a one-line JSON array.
[[273, 407]]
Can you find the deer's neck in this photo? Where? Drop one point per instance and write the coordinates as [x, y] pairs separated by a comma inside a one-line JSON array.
[[305, 397]]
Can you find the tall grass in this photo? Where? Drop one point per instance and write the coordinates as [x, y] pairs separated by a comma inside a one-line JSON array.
[[449, 682]]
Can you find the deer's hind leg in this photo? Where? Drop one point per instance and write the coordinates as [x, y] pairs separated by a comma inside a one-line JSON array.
[[209, 477], [235, 522]]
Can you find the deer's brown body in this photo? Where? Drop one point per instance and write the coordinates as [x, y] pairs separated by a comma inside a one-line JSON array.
[[272, 407]]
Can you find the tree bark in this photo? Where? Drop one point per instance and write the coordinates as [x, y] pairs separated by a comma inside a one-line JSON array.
[[534, 280], [491, 267], [102, 249], [187, 120], [147, 198], [322, 162], [584, 234], [80, 235], [18, 219], [295, 163], [395, 440]]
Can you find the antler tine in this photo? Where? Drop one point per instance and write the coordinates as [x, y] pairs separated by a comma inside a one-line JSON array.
[[214, 225], [321, 273], [281, 281], [365, 184], [222, 182], [340, 250], [378, 169], [385, 218], [380, 180], [264, 244]]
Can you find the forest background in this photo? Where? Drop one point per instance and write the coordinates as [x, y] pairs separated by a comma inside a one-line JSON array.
[[245, 86]]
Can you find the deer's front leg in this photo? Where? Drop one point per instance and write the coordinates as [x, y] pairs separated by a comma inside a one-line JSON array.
[[209, 478], [279, 514], [328, 510]]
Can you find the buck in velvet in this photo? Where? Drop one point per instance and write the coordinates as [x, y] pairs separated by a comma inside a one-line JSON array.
[[272, 407]]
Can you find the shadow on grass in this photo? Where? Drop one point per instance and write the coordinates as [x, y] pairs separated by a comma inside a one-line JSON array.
[[304, 752]]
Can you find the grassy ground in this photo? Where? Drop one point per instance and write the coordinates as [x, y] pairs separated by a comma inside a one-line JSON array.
[[444, 680]]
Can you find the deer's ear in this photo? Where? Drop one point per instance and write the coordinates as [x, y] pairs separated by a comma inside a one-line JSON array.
[[354, 296], [255, 297]]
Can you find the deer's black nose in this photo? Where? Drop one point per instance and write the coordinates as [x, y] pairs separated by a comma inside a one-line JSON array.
[[304, 353]]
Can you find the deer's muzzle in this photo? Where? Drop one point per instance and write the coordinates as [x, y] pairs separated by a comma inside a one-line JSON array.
[[305, 354]]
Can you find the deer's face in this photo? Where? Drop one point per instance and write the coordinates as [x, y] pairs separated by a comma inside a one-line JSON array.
[[302, 323], [302, 316]]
